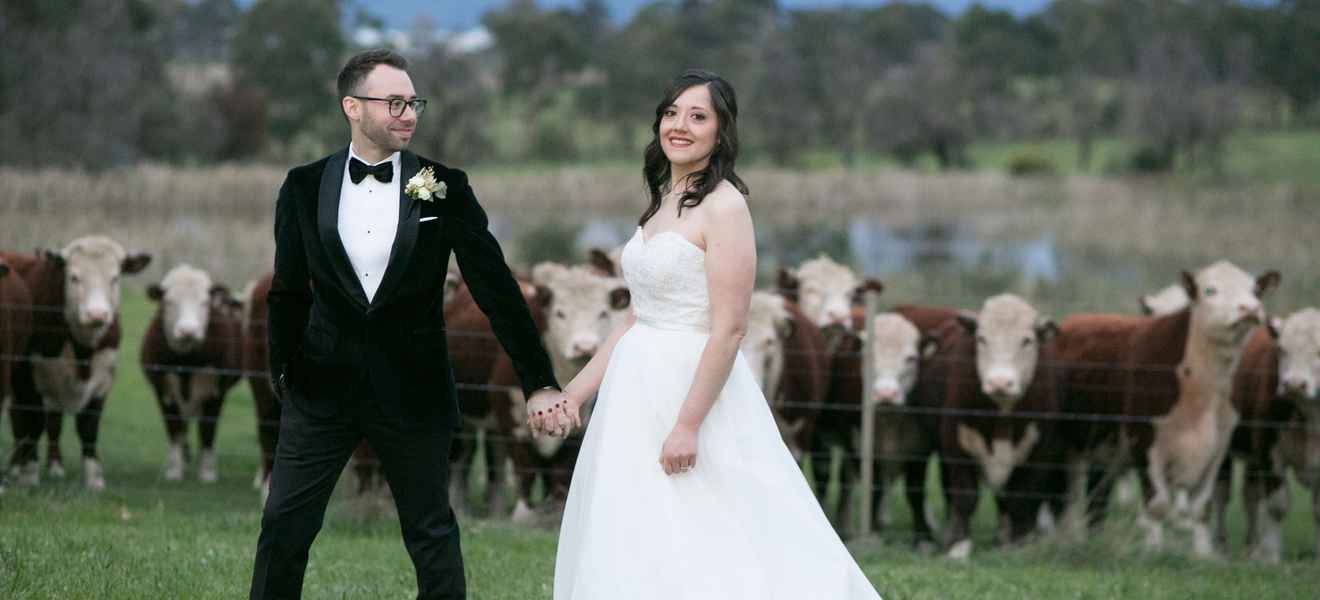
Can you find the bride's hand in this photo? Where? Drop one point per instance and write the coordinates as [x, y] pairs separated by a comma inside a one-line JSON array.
[[679, 453]]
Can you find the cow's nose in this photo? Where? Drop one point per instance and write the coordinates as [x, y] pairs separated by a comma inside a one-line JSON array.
[[886, 394], [1001, 384], [1250, 310], [583, 348], [96, 318]]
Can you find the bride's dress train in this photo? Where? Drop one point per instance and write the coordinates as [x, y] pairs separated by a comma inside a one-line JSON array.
[[743, 524]]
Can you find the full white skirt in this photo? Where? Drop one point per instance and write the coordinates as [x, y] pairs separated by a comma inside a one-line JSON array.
[[743, 524]]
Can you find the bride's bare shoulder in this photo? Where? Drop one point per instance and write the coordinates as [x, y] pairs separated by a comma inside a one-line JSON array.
[[726, 200]]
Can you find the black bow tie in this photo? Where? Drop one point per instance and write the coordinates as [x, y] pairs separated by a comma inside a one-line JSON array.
[[358, 170]]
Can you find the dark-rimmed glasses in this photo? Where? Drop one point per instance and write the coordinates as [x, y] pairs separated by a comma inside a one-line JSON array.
[[396, 105]]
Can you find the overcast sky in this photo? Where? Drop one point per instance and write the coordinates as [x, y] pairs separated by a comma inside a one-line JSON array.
[[463, 14]]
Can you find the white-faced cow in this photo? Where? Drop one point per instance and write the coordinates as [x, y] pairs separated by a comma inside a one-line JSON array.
[[903, 441], [71, 358], [581, 309], [1156, 393], [996, 426], [191, 356], [825, 290], [1277, 392]]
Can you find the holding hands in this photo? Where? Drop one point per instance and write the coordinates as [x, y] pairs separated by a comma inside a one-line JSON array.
[[553, 413]]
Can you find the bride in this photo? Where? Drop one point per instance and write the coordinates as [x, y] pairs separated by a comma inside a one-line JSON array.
[[683, 488]]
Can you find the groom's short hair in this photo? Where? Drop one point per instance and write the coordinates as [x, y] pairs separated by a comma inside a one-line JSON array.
[[360, 64]]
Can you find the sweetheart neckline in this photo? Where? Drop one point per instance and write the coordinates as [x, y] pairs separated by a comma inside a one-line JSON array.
[[642, 234]]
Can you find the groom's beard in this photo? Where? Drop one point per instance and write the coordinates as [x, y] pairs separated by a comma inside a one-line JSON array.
[[379, 133]]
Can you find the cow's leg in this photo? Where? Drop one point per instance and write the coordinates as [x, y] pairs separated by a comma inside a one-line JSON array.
[[268, 428], [1219, 506], [821, 455], [461, 452], [497, 472], [1159, 500], [885, 476], [1152, 526], [524, 476], [54, 429], [914, 488], [89, 427], [1201, 497], [25, 421], [961, 493], [1315, 517], [176, 430], [1099, 488], [1271, 505], [208, 471], [850, 473]]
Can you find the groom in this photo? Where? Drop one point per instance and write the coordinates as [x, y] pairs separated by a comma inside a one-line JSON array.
[[356, 333]]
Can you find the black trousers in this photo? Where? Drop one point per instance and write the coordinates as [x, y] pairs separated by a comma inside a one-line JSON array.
[[311, 454]]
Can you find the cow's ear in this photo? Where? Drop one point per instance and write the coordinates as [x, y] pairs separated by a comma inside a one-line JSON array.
[[967, 319], [543, 296], [1267, 282], [1274, 325], [788, 284], [134, 263], [155, 292], [1046, 329], [52, 256], [620, 298], [1143, 304], [1189, 285], [602, 262], [928, 346], [221, 296], [871, 284]]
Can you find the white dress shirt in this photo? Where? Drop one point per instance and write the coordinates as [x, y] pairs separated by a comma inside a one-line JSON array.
[[368, 220]]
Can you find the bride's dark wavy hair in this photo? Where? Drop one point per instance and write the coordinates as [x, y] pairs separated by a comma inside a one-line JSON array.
[[656, 172]]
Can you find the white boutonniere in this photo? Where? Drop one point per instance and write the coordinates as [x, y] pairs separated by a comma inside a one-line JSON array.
[[423, 186]]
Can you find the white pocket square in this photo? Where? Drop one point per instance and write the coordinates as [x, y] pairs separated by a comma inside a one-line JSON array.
[[425, 219]]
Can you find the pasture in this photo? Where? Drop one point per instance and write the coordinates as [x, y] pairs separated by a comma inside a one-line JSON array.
[[1070, 244]]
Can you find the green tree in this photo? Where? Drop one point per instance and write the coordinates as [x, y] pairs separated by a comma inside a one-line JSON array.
[[290, 52]]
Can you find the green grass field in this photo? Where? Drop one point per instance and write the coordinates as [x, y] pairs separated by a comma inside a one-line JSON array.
[[148, 538]]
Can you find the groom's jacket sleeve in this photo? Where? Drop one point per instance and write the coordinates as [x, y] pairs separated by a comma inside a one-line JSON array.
[[494, 288], [290, 299]]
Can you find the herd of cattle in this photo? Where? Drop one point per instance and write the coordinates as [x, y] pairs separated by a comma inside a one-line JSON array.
[[1046, 416]]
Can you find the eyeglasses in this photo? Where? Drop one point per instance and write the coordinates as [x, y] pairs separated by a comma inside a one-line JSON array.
[[396, 105]]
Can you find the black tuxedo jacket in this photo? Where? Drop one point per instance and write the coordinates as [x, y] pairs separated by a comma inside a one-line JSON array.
[[325, 337]]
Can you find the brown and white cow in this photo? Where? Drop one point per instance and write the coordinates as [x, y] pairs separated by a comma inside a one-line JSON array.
[[256, 370], [825, 290], [192, 356], [904, 439], [581, 309], [71, 357], [996, 425], [788, 356], [15, 330], [1155, 392], [1277, 391]]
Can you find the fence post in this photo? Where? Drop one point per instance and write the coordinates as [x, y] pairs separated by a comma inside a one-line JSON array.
[[868, 415]]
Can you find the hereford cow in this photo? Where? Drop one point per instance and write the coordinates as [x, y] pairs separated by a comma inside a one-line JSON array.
[[581, 309], [996, 425], [15, 330], [1154, 392], [787, 354], [904, 441], [71, 357], [825, 290], [256, 369], [191, 355], [1277, 391], [840, 424]]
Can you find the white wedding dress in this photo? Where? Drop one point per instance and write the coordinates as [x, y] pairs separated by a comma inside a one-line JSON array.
[[742, 524]]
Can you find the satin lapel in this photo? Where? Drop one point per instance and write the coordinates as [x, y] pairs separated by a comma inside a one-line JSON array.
[[327, 221], [405, 238]]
